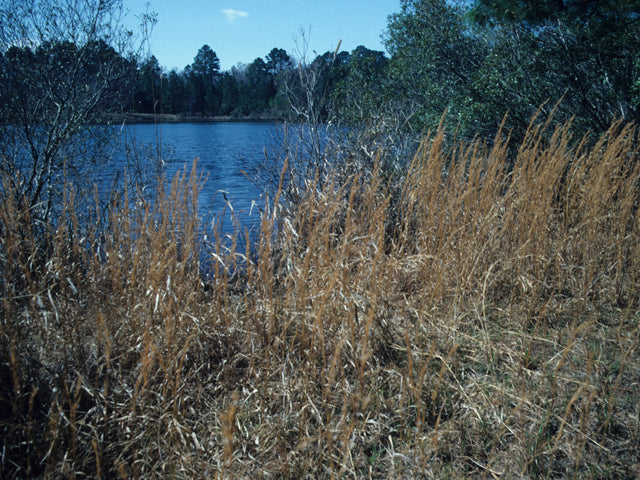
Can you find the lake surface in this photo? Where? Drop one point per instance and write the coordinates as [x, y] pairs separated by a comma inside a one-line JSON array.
[[224, 150]]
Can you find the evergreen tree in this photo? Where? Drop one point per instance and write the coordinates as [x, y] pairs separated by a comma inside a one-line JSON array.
[[278, 61], [203, 77], [229, 94], [148, 85], [258, 88], [174, 95]]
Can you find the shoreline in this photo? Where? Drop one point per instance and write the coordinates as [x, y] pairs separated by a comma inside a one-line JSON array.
[[179, 118]]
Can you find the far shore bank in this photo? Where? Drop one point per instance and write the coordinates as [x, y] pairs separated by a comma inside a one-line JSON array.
[[179, 118]]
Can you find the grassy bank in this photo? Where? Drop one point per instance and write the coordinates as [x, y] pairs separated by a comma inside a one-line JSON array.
[[482, 323]]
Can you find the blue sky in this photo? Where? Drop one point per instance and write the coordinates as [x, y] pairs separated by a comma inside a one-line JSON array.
[[241, 30]]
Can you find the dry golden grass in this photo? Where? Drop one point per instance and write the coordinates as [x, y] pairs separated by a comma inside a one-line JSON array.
[[484, 325]]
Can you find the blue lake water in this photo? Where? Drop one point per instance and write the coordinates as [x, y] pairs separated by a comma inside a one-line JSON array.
[[224, 151]]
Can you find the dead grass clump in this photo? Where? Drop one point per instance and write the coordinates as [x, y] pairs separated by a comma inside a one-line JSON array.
[[492, 333]]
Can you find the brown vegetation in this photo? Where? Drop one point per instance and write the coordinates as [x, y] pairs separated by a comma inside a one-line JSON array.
[[484, 323]]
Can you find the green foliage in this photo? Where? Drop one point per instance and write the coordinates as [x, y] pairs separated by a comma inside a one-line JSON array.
[[148, 86], [229, 93], [202, 79], [203, 89], [278, 61], [584, 50], [603, 15], [174, 93], [482, 60], [434, 57], [360, 87], [257, 89], [475, 60]]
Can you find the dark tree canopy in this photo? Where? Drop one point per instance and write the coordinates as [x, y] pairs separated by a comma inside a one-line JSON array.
[[206, 65], [202, 89], [480, 60], [603, 13], [278, 60], [148, 86]]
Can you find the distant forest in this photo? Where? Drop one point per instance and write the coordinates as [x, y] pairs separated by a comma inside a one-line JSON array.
[[265, 88]]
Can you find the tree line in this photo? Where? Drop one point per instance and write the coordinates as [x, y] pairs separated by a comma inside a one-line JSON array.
[[270, 87], [202, 88]]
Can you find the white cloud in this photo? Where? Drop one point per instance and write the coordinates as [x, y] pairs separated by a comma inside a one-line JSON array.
[[232, 14]]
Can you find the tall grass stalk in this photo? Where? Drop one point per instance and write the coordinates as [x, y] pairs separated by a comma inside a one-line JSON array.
[[484, 322]]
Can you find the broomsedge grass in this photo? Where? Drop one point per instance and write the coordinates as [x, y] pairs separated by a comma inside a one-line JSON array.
[[484, 324]]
